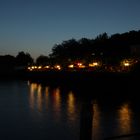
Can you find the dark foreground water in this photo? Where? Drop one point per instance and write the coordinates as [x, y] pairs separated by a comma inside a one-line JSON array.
[[34, 111]]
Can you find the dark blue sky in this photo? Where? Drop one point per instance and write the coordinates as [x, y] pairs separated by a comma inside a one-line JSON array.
[[34, 26]]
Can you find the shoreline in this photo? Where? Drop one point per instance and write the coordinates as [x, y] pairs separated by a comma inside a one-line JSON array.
[[71, 76], [87, 84]]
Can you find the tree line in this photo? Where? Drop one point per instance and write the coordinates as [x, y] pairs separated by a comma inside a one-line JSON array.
[[108, 49]]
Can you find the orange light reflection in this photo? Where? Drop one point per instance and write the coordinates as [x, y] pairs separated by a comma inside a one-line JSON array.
[[71, 106], [125, 118], [96, 121], [47, 96], [33, 88], [57, 103], [39, 97]]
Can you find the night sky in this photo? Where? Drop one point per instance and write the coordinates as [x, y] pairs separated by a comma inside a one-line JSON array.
[[34, 26]]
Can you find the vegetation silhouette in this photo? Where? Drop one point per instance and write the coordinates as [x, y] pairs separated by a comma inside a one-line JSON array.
[[23, 59], [7, 63], [42, 60], [11, 66], [108, 49]]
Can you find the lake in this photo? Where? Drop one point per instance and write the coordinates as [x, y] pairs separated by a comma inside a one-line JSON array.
[[40, 111]]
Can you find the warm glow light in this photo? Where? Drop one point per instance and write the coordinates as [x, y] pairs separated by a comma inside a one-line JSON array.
[[39, 89], [39, 67], [83, 66], [93, 64], [57, 95], [58, 67], [80, 65], [33, 88], [57, 103], [32, 68], [39, 97], [125, 118], [47, 67], [71, 66], [126, 64], [29, 68], [71, 106]]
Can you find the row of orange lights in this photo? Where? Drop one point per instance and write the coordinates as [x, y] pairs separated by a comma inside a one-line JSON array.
[[79, 65], [58, 67]]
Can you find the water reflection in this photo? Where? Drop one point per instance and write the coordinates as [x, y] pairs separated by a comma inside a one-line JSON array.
[[39, 98], [71, 105], [94, 119], [35, 97], [86, 118], [52, 98], [97, 132], [125, 118], [33, 88], [56, 103], [47, 97]]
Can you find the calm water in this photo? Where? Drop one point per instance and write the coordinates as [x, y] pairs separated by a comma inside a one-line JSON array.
[[34, 111]]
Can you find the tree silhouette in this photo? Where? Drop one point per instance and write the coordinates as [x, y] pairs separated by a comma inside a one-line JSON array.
[[7, 62], [23, 59], [66, 52], [42, 60], [104, 48]]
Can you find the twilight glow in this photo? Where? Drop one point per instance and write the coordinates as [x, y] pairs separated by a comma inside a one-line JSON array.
[[34, 26]]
